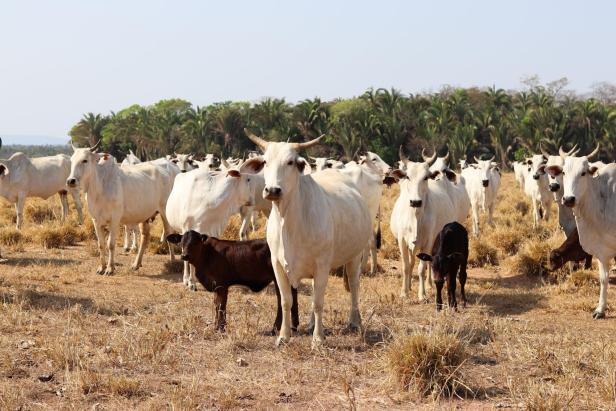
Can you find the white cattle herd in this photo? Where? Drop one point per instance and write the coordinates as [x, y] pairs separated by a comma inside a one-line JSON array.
[[322, 213]]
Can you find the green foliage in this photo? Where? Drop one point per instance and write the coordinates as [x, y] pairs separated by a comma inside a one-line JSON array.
[[465, 122]]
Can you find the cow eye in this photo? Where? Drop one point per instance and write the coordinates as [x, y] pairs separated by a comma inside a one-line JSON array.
[[583, 173], [290, 163], [174, 161], [84, 161]]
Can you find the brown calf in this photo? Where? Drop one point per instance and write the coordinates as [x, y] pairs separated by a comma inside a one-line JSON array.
[[220, 264], [570, 250]]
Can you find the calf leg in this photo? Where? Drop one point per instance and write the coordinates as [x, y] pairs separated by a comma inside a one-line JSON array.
[[439, 297], [77, 199], [220, 307], [451, 291], [294, 310], [144, 228], [64, 203]]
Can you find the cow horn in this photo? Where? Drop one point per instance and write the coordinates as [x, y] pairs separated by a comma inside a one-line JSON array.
[[562, 152], [545, 153], [262, 144], [573, 149], [427, 159], [403, 156], [476, 159], [446, 156], [593, 153], [95, 146], [307, 144], [492, 159], [74, 148]]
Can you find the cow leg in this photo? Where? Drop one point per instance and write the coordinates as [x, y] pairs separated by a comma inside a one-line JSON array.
[[603, 281], [294, 310], [429, 279], [134, 231], [166, 230], [491, 213], [451, 291], [220, 307], [245, 213], [278, 320], [100, 239], [463, 282], [588, 262], [253, 220], [192, 284], [407, 268], [546, 210], [19, 209], [111, 240], [536, 215], [475, 212], [373, 255], [64, 203], [421, 291], [286, 301], [353, 274], [127, 233], [319, 284], [439, 296], [144, 228], [77, 199]]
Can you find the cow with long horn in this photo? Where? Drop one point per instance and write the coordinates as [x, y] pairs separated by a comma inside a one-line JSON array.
[[566, 219], [318, 222]]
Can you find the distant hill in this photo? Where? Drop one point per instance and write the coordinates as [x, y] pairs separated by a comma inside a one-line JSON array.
[[29, 140]]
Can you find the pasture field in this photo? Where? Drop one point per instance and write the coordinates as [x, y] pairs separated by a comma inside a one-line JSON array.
[[70, 339]]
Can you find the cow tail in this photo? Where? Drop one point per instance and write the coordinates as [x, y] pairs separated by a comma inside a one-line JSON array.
[[345, 279], [378, 237]]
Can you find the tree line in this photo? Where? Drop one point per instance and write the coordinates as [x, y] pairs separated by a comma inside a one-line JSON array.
[[465, 121]]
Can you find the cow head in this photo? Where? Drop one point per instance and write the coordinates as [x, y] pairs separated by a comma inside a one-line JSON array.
[[376, 163], [555, 177], [485, 168], [443, 264], [556, 260], [191, 243], [322, 163], [441, 165], [577, 173], [244, 178], [83, 165], [210, 162], [185, 162], [463, 164], [414, 181], [283, 165]]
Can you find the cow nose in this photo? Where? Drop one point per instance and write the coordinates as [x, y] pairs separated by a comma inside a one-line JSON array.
[[554, 187], [536, 176], [569, 201], [182, 171], [415, 203], [71, 182], [485, 182], [184, 257], [272, 193]]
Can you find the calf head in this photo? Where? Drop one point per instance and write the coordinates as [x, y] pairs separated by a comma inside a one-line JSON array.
[[555, 260], [283, 166], [442, 265], [191, 243], [83, 165]]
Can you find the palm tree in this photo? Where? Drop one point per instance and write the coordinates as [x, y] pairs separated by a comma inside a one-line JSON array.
[[89, 130]]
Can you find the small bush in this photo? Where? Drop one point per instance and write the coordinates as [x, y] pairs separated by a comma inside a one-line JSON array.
[[11, 237], [531, 259], [39, 213], [481, 253], [428, 364], [59, 236]]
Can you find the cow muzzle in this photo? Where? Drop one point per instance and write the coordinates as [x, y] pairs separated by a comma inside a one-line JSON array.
[[554, 187], [71, 182], [569, 201], [536, 176], [272, 193], [485, 183], [182, 171], [416, 203]]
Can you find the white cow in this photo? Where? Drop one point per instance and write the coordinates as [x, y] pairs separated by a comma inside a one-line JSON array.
[[208, 163], [455, 186], [249, 213], [185, 162], [419, 214], [203, 201], [130, 159], [536, 188], [591, 193], [520, 170], [482, 181], [566, 219], [131, 195], [22, 177], [323, 163], [318, 222]]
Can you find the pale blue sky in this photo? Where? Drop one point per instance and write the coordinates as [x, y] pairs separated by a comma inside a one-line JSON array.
[[61, 58]]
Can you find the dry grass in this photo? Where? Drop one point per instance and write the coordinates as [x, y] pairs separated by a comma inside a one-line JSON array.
[[70, 339]]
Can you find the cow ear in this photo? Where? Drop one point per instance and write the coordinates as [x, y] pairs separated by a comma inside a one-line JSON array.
[[300, 163], [554, 170], [592, 169], [204, 237], [424, 257], [4, 170], [398, 174], [389, 180], [253, 165], [234, 173], [451, 176], [174, 238]]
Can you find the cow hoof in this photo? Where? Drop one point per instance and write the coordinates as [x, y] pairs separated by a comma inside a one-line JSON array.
[[317, 342], [135, 267], [597, 315], [192, 287], [109, 271], [126, 249], [281, 342], [351, 329], [100, 270]]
